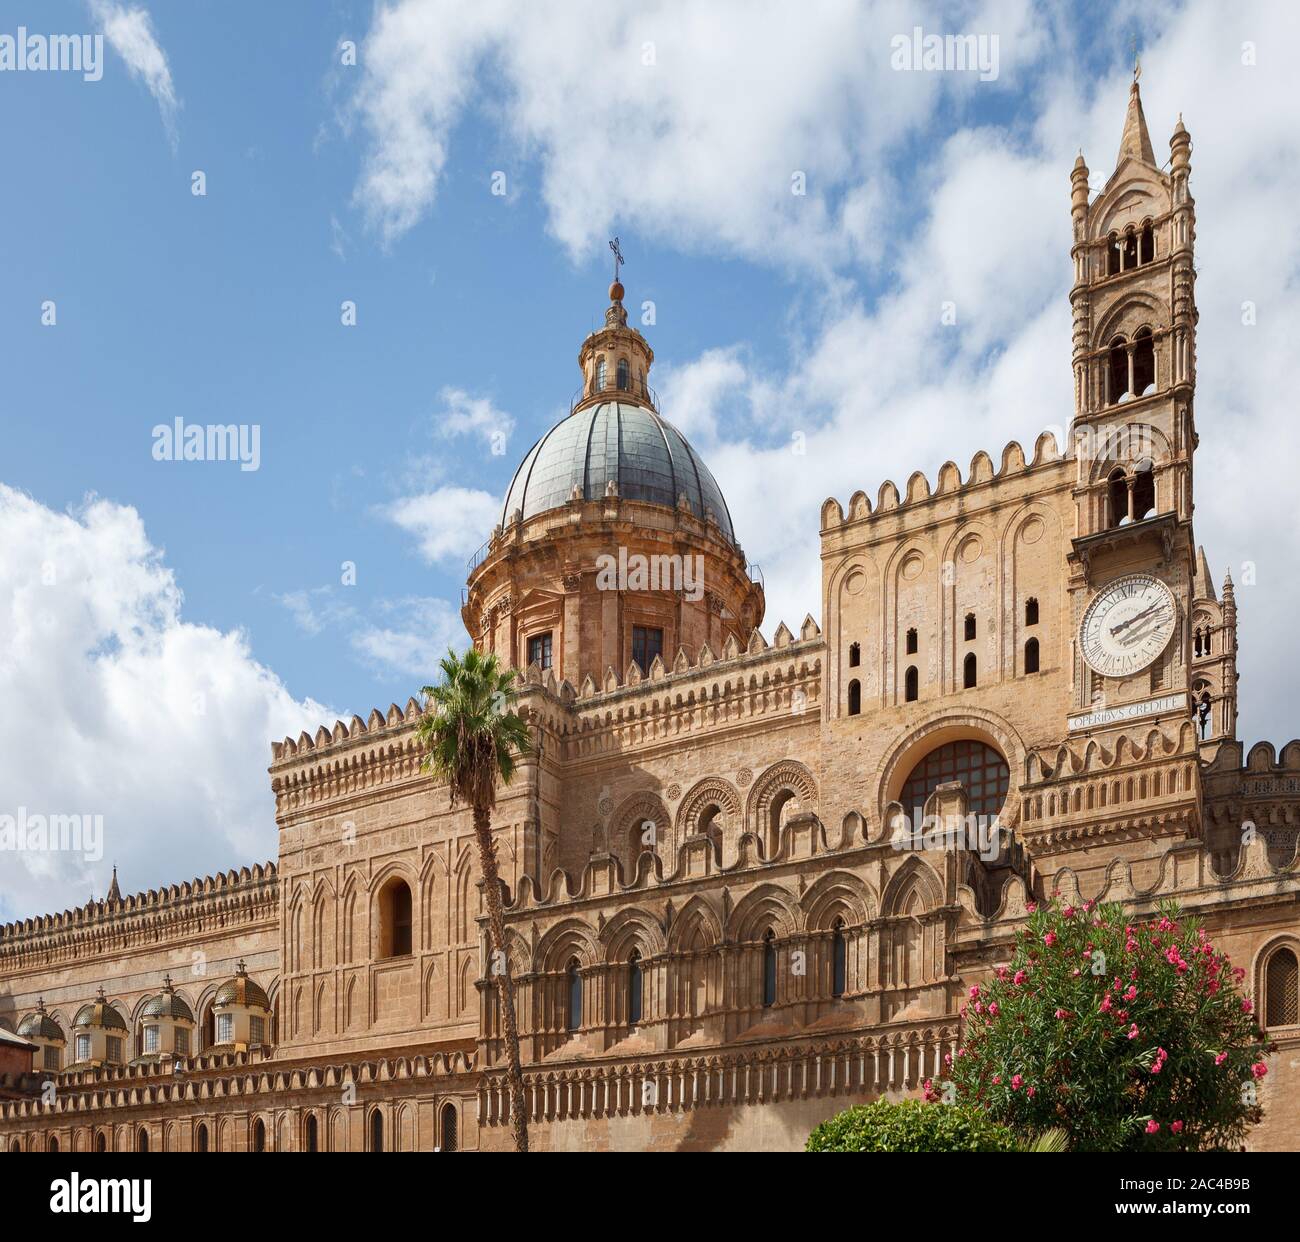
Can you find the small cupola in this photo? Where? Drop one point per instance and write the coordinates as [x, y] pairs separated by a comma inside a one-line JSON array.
[[241, 1014], [615, 359], [99, 1034], [47, 1035], [167, 1025]]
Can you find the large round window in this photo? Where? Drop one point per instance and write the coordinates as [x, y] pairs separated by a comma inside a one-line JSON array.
[[978, 767]]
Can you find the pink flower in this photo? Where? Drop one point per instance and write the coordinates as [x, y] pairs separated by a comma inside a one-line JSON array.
[[1259, 1069], [1016, 1082], [997, 1078], [1105, 1003], [1031, 906], [1050, 939], [931, 1095], [1153, 1127], [1176, 1127], [1029, 1091], [1068, 912], [1019, 977], [1221, 1058], [993, 1009], [974, 991], [1133, 1031], [1062, 1013], [1246, 1005]]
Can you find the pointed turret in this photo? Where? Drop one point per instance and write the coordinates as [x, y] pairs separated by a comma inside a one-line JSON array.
[[1204, 582], [1136, 142], [114, 893]]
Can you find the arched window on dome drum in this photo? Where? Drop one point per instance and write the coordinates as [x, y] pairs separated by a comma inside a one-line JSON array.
[[839, 959], [200, 1137], [769, 968], [634, 988], [1282, 989], [911, 684], [1148, 245], [573, 989], [376, 1131], [1031, 611], [1144, 490], [624, 374], [855, 655], [142, 1139], [968, 671], [1031, 656], [450, 1135], [855, 697], [600, 374], [313, 1135], [982, 772], [259, 1135]]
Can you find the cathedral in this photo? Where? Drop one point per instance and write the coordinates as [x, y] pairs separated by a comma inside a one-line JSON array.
[[750, 873]]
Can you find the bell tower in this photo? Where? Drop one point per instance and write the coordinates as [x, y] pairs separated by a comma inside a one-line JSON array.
[[1133, 434]]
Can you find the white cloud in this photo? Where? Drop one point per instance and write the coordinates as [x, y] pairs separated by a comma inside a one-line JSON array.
[[464, 414], [448, 522], [117, 706], [414, 635], [130, 33]]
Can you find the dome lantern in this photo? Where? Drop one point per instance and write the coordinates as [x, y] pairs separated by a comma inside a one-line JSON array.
[[167, 1026], [99, 1034], [241, 1013], [46, 1034]]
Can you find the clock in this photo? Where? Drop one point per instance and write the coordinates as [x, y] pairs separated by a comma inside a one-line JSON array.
[[1128, 624]]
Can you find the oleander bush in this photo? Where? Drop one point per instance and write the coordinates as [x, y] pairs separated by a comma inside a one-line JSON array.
[[1128, 1035]]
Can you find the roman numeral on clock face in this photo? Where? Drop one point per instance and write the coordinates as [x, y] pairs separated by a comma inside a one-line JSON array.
[[1127, 625]]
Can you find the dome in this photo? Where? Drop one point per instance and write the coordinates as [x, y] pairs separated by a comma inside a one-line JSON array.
[[241, 990], [40, 1025], [167, 1005], [645, 455], [100, 1013]]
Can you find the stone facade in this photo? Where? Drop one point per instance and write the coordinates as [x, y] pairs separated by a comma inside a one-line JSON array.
[[718, 933]]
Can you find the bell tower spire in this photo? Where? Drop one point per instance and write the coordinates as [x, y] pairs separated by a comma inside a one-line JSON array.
[[1136, 141]]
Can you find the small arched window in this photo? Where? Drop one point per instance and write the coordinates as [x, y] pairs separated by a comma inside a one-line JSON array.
[[624, 374], [1117, 370], [259, 1135], [1130, 249], [855, 655], [1148, 246], [101, 1143], [911, 642], [1031, 611], [142, 1139], [769, 968], [911, 684], [53, 1144], [634, 982], [376, 1131], [855, 697], [450, 1128], [395, 919], [573, 990], [1112, 255], [1031, 656], [15, 1146], [1144, 362], [1117, 497], [839, 959], [600, 374], [1144, 490], [968, 671], [1282, 989], [710, 825], [313, 1136], [970, 627], [200, 1138]]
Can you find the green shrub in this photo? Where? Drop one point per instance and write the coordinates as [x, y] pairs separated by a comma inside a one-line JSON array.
[[910, 1125], [1131, 1035]]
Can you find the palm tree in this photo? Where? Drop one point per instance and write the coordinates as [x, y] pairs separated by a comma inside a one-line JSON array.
[[473, 741]]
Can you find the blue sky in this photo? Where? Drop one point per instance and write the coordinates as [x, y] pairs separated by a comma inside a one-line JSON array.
[[202, 610]]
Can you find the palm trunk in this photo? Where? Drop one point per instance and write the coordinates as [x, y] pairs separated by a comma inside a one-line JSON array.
[[500, 969]]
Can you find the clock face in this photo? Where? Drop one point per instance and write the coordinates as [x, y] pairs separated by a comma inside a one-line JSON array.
[[1127, 625]]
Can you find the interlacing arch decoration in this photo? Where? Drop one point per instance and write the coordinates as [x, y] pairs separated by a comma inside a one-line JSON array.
[[912, 889], [632, 929], [837, 895], [641, 824], [712, 804], [786, 788], [767, 908]]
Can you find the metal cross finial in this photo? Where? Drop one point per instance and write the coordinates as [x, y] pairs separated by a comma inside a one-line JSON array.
[[1137, 61], [618, 257]]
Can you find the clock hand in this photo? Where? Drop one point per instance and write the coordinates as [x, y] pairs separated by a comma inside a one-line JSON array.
[[1123, 625]]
